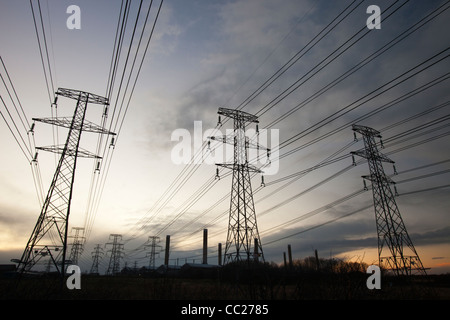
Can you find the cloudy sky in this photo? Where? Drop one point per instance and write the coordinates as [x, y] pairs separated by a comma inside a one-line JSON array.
[[309, 69]]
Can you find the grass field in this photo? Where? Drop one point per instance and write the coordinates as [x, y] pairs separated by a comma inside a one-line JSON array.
[[261, 282]]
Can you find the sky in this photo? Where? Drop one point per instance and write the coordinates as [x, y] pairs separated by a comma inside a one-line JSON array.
[[209, 54]]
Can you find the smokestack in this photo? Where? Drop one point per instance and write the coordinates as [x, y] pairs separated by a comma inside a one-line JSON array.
[[290, 255], [205, 246], [166, 257]]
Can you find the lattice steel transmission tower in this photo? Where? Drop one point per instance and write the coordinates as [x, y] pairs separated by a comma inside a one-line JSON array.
[[49, 237], [116, 254], [243, 241], [96, 257], [395, 248], [155, 249], [77, 245]]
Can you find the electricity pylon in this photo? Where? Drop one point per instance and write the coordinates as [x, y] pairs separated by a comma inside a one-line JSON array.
[[49, 236], [116, 254], [243, 241], [77, 245], [155, 249], [96, 256], [401, 257]]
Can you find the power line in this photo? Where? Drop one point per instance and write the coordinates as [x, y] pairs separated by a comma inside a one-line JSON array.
[[342, 127], [191, 171], [275, 76], [350, 214], [47, 73], [99, 189], [318, 66], [403, 35], [332, 160]]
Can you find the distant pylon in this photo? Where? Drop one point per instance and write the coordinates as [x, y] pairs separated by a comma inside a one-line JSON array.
[[242, 227], [96, 256], [155, 249], [391, 230], [77, 245], [49, 237], [116, 254]]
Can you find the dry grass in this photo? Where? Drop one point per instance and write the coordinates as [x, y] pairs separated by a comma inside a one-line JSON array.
[[336, 280]]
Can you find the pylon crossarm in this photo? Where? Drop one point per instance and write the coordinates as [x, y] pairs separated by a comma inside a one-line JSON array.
[[82, 95], [70, 152], [366, 131], [230, 139], [66, 122], [238, 115], [233, 166], [364, 154]]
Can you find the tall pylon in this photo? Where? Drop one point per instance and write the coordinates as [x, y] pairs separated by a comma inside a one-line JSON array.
[[77, 245], [243, 241], [396, 251], [116, 254], [49, 236], [96, 257], [155, 249]]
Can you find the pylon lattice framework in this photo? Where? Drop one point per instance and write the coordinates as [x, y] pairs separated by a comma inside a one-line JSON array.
[[155, 249], [96, 256], [243, 241], [391, 230], [116, 254], [49, 236], [77, 245]]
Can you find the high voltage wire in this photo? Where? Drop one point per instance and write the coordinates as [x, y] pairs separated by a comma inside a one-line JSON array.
[[412, 72], [301, 53], [206, 187], [360, 99], [340, 201], [136, 60], [338, 51], [43, 50], [412, 30], [330, 161], [27, 149], [274, 77], [326, 207], [402, 36], [350, 214], [119, 119], [353, 195], [136, 77], [98, 180]]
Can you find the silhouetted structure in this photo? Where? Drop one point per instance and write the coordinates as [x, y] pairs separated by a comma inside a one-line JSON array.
[[242, 228], [116, 254], [49, 237], [77, 245], [390, 227], [155, 249], [96, 256]]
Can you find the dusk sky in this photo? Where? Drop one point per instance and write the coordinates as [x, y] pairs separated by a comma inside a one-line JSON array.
[[207, 54]]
